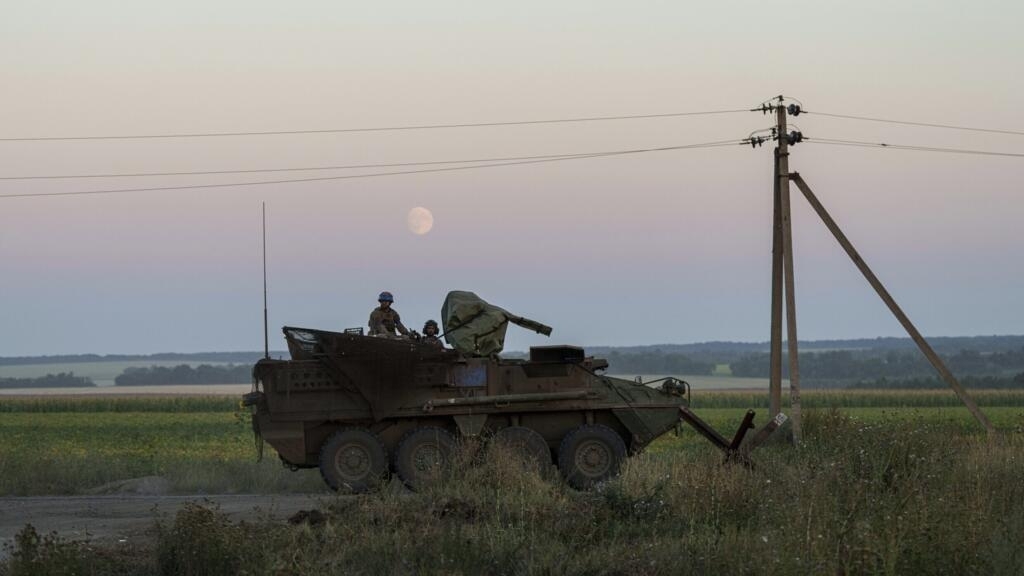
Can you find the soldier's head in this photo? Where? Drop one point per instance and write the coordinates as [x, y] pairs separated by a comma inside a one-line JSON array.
[[430, 328], [385, 299]]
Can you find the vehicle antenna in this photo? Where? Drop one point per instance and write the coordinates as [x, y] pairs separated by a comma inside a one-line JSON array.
[[266, 341]]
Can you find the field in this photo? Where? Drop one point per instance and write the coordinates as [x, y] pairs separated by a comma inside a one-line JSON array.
[[885, 483], [73, 445], [719, 381]]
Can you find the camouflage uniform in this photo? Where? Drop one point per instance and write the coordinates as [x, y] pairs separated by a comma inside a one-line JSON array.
[[430, 337], [386, 322], [434, 341]]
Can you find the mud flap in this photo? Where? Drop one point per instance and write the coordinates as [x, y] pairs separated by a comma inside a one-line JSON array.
[[470, 424]]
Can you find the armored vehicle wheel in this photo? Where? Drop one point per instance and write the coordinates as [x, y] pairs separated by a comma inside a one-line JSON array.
[[529, 445], [590, 454], [353, 459], [423, 454]]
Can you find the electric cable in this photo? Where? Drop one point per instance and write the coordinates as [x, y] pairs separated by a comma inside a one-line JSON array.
[[924, 124], [371, 129], [300, 169], [861, 144], [379, 174]]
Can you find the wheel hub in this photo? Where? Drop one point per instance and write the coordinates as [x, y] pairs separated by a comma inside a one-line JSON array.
[[428, 458], [593, 458], [353, 461]]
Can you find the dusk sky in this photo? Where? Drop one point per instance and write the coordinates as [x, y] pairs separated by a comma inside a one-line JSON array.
[[650, 248]]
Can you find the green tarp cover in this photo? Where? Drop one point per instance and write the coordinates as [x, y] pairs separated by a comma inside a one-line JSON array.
[[474, 327]]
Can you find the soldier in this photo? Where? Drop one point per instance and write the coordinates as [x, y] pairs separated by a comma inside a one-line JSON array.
[[430, 335], [384, 320]]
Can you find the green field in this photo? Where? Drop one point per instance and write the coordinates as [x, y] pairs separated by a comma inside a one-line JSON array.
[[722, 380], [885, 482], [71, 446], [68, 445]]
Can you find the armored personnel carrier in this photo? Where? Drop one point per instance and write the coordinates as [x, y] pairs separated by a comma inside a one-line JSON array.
[[360, 408]]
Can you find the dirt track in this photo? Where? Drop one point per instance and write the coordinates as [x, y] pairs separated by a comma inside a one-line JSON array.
[[124, 518]]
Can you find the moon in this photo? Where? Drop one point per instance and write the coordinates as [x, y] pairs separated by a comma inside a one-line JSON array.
[[420, 220]]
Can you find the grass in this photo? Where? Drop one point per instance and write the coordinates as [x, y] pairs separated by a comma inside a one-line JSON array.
[[886, 482], [89, 404], [893, 495], [204, 444], [71, 446], [859, 398]]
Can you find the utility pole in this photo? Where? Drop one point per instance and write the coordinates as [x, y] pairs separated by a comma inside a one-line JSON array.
[[775, 375], [783, 278], [783, 281]]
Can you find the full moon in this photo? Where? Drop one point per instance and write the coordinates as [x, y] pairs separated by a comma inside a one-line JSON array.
[[420, 220]]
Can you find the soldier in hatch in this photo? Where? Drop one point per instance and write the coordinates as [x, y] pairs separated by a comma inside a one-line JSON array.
[[384, 320], [430, 335]]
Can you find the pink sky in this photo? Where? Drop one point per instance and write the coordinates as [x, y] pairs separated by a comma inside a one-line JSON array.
[[665, 247]]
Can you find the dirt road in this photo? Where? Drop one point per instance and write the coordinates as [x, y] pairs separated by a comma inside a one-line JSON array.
[[124, 518]]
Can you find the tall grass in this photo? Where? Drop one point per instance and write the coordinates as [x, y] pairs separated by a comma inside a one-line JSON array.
[[79, 452], [860, 398], [169, 403], [900, 493], [892, 498]]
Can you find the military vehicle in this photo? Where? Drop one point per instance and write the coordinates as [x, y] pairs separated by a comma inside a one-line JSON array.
[[361, 407]]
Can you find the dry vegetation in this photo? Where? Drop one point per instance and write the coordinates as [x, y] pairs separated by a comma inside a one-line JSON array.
[[886, 491]]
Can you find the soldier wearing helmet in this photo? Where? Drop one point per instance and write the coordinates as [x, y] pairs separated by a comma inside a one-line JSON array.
[[384, 320], [430, 336]]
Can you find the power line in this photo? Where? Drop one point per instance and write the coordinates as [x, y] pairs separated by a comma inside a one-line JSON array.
[[373, 129], [379, 174], [910, 147], [300, 169], [925, 124]]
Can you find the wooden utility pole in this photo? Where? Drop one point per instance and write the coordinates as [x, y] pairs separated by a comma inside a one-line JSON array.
[[775, 375], [783, 231], [926, 349], [783, 280]]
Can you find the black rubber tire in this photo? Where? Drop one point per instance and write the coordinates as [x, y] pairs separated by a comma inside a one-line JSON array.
[[527, 444], [423, 456], [353, 459], [590, 454]]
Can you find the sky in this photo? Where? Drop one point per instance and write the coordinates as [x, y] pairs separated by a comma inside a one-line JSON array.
[[661, 247]]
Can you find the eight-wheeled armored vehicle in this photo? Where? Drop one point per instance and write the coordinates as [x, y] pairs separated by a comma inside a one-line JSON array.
[[360, 407]]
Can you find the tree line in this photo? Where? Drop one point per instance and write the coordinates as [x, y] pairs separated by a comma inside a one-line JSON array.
[[185, 374], [656, 362], [850, 365], [62, 380]]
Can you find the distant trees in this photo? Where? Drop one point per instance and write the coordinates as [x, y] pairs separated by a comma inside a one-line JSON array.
[[656, 362], [871, 365], [185, 374], [62, 380], [838, 365], [233, 357]]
